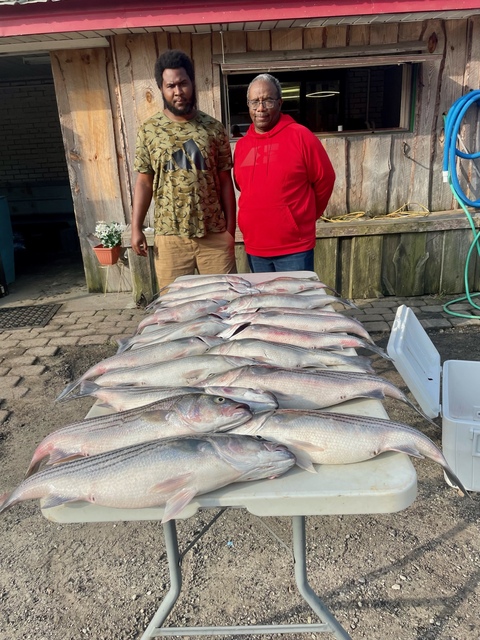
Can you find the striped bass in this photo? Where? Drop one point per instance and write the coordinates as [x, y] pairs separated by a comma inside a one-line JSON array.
[[302, 389], [287, 301], [289, 356], [306, 339], [287, 284], [199, 280], [322, 437], [188, 414], [166, 473], [182, 371], [189, 283], [204, 326], [219, 294], [203, 291], [124, 398], [146, 355], [328, 323], [180, 313]]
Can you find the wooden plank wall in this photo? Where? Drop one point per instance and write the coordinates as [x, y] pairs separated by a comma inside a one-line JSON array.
[[104, 95]]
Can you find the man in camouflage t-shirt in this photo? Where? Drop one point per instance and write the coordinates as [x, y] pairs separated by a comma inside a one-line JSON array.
[[184, 162]]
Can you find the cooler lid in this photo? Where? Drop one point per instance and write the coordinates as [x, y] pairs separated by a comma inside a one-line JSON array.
[[416, 360]]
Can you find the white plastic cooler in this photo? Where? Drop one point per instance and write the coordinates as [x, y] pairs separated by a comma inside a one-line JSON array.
[[418, 362]]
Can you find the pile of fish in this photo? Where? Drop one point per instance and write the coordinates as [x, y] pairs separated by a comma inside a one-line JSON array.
[[225, 381]]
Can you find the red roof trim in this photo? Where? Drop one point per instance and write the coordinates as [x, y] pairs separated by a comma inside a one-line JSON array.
[[75, 15]]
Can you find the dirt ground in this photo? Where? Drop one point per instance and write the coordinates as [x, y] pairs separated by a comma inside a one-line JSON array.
[[413, 575]]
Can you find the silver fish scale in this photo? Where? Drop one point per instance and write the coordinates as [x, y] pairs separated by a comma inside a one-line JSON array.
[[260, 300], [301, 384]]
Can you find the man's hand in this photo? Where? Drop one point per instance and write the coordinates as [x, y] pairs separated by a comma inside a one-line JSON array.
[[142, 197], [139, 243]]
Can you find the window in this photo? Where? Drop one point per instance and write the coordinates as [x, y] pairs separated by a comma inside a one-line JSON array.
[[350, 98]]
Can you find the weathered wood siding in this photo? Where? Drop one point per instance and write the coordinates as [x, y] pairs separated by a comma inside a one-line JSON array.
[[104, 95]]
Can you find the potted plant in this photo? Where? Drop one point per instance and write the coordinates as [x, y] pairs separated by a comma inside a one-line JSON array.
[[110, 247]]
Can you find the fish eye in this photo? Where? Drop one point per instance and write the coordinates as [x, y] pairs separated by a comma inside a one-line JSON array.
[[220, 400]]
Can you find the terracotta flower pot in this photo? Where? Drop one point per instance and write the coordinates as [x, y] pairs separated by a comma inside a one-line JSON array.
[[107, 255]]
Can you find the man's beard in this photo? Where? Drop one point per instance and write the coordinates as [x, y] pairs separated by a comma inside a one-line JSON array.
[[184, 111]]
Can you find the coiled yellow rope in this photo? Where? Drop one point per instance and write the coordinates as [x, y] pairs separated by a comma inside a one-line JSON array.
[[402, 212]]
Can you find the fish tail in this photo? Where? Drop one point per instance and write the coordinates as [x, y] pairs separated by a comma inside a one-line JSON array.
[[123, 344], [347, 303], [43, 450], [454, 480], [378, 350], [4, 501], [86, 388], [420, 412], [145, 323], [8, 499], [68, 390], [334, 291]]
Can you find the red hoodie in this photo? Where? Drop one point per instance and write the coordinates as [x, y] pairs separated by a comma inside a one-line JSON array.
[[285, 179]]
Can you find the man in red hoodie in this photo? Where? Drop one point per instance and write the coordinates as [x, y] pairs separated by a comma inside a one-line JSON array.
[[285, 179]]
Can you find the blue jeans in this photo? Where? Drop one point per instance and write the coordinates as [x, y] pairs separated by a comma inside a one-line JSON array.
[[302, 261]]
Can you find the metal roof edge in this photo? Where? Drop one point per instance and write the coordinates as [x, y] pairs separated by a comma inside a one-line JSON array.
[[28, 17]]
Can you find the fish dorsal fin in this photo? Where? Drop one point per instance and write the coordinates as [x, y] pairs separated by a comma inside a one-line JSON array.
[[176, 503]]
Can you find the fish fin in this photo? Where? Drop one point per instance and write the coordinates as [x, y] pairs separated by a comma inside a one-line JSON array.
[[60, 456], [67, 390], [377, 350], [172, 484], [56, 501], [4, 504], [421, 413], [302, 458], [33, 468], [85, 388], [454, 480], [104, 405], [176, 503], [301, 450], [410, 451], [123, 344], [157, 416], [211, 341]]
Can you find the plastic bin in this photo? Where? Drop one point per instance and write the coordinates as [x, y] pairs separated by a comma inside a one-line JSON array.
[[418, 362], [6, 241]]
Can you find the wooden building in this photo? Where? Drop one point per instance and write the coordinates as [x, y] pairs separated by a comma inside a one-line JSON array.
[[373, 86]]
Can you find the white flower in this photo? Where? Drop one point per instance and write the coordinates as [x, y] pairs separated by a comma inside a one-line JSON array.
[[109, 233]]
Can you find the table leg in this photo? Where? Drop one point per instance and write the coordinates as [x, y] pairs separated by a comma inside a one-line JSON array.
[[299, 553], [173, 556], [328, 625]]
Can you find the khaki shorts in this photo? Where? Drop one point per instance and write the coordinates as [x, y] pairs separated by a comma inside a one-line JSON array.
[[175, 256]]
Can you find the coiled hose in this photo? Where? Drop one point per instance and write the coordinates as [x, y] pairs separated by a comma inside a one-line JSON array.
[[453, 123]]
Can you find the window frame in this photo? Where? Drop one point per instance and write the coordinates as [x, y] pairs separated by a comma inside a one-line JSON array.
[[408, 61]]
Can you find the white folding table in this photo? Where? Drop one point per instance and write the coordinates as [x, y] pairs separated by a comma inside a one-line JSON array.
[[385, 484]]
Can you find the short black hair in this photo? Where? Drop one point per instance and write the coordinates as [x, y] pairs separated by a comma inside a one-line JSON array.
[[173, 59]]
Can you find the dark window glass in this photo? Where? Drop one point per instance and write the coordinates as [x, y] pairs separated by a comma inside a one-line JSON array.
[[328, 100]]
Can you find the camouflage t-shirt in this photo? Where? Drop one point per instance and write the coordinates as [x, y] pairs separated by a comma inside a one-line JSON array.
[[185, 158]]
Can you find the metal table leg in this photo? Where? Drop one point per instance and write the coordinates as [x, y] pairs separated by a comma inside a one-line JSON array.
[[173, 556], [299, 553], [329, 623]]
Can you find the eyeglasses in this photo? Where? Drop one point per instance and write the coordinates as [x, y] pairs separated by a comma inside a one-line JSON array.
[[269, 103]]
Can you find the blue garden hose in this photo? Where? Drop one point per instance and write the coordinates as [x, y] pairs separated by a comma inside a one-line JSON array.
[[453, 123]]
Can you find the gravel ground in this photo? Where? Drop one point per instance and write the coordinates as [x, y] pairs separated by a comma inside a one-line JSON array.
[[412, 575]]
